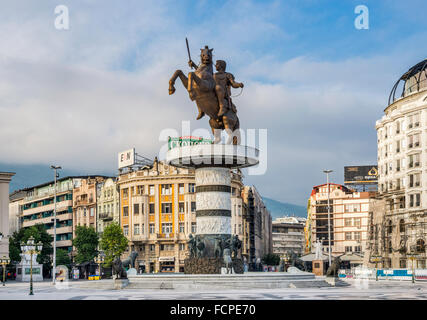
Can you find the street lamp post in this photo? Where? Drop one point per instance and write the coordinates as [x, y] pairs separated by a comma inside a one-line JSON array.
[[55, 168], [376, 259], [412, 256], [32, 249], [4, 262], [99, 260], [329, 216]]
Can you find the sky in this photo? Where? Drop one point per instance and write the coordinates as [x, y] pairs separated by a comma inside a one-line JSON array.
[[77, 97]]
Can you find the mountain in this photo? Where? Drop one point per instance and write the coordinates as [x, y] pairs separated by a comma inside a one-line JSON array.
[[35, 174], [279, 209]]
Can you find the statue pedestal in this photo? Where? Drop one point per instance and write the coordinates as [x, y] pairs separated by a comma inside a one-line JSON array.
[[212, 164], [318, 267]]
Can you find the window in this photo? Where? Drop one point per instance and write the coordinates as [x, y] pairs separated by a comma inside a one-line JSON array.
[[348, 236], [140, 189], [135, 208], [348, 249], [411, 200], [181, 188], [421, 248], [136, 229], [84, 212], [357, 222], [193, 206], [92, 212], [402, 263], [151, 187], [152, 228], [142, 229], [181, 227], [152, 247], [166, 189], [181, 207], [166, 247], [151, 209], [125, 211], [182, 246], [125, 193], [347, 222], [166, 228], [355, 207], [357, 235], [191, 187], [357, 249], [402, 225], [193, 227], [167, 207], [126, 230], [417, 200]]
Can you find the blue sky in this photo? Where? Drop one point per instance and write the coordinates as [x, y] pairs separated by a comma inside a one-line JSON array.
[[77, 97]]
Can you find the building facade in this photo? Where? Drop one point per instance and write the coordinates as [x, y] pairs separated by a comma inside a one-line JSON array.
[[158, 213], [349, 212], [257, 222], [108, 204], [5, 178], [38, 208], [288, 235], [85, 202], [16, 200], [399, 222]]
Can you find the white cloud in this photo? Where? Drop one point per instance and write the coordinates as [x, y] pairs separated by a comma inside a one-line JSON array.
[[78, 97]]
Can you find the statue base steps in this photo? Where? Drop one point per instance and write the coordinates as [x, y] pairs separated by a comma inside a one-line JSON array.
[[120, 283]]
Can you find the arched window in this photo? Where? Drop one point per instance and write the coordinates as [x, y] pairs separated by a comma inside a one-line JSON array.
[[402, 225], [420, 246]]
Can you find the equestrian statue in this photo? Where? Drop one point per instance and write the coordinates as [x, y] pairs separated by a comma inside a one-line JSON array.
[[212, 94]]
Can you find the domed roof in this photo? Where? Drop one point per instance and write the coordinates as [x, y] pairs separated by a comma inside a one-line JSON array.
[[413, 80]]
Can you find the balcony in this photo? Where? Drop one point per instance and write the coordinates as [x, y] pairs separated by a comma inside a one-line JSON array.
[[106, 216], [165, 235]]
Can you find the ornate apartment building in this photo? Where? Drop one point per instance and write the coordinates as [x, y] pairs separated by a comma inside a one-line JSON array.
[[108, 200], [85, 202], [399, 219], [349, 212], [158, 213]]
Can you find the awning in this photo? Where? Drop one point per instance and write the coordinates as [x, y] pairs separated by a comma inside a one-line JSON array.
[[311, 256], [352, 257]]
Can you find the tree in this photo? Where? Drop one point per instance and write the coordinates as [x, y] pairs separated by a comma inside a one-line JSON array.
[[40, 234], [113, 242], [86, 242], [62, 258], [271, 259]]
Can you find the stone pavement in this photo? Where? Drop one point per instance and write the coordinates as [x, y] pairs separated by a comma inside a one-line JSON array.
[[381, 290]]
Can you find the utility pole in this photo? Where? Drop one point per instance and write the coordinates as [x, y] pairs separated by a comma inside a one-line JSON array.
[[329, 216], [55, 168]]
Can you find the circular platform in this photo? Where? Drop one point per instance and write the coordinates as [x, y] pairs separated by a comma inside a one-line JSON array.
[[213, 155]]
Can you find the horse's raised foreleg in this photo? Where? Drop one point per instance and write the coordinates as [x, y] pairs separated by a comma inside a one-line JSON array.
[[182, 77]]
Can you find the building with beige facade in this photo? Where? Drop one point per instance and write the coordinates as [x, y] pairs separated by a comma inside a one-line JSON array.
[[16, 200], [349, 212], [85, 202], [158, 213], [399, 222], [108, 200]]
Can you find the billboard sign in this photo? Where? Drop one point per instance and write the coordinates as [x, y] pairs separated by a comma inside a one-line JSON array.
[[127, 158], [361, 175], [187, 141]]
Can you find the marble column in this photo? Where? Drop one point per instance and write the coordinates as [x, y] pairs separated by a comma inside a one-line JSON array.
[[213, 205], [5, 178]]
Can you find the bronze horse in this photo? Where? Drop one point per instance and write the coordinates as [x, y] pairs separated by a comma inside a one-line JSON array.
[[201, 87]]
